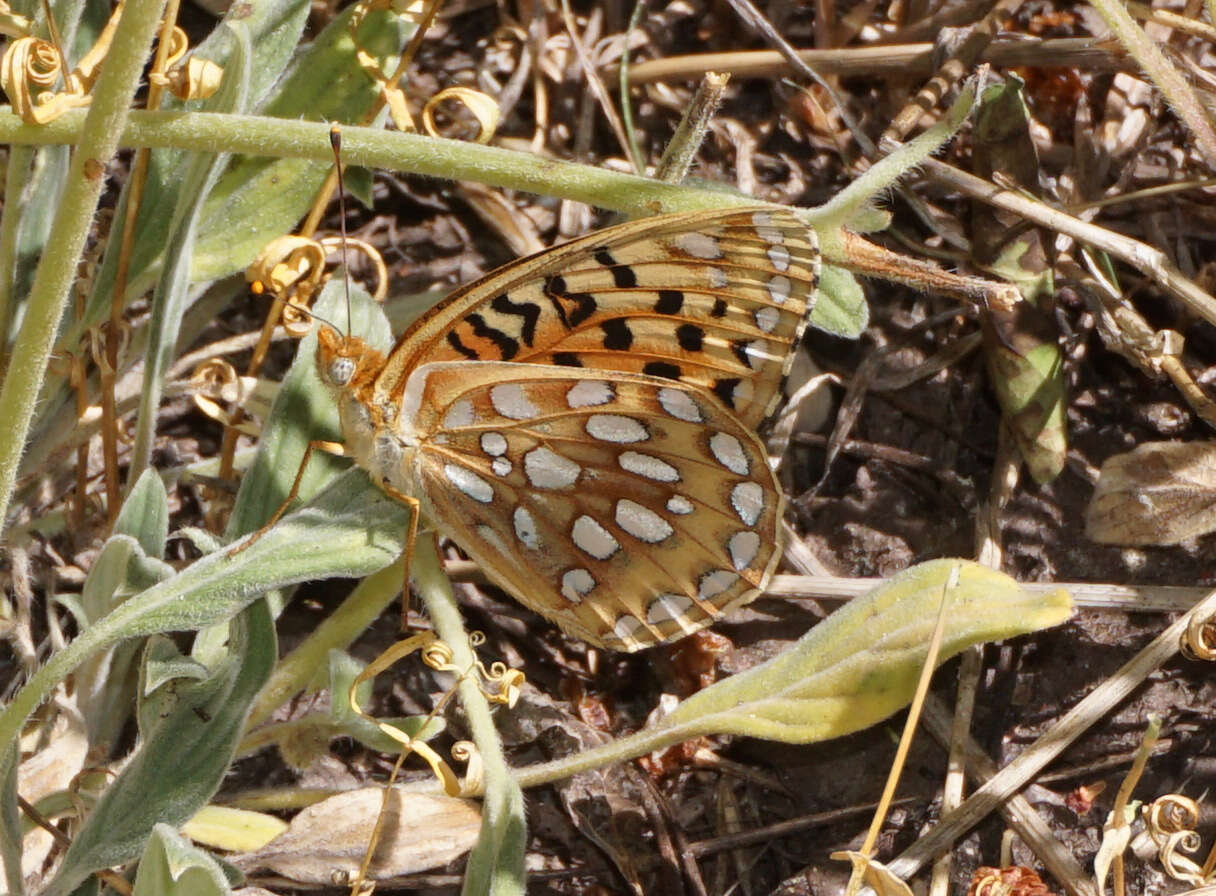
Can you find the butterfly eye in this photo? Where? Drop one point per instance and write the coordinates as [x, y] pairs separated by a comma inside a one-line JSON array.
[[341, 370]]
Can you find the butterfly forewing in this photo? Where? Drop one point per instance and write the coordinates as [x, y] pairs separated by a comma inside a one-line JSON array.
[[627, 509], [717, 300]]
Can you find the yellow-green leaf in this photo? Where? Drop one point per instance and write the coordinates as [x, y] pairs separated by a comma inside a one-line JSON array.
[[861, 664]]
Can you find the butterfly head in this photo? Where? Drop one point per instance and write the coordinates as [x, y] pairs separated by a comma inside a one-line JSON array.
[[345, 362]]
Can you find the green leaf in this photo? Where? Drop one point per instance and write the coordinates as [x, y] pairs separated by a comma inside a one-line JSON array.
[[840, 305], [105, 685], [43, 172], [163, 663], [343, 670], [145, 514], [1021, 346], [350, 529], [181, 761], [257, 196], [1026, 364], [861, 664], [10, 820], [274, 27], [171, 296], [172, 866]]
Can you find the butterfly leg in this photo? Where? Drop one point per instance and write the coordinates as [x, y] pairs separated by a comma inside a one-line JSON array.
[[411, 537], [328, 447]]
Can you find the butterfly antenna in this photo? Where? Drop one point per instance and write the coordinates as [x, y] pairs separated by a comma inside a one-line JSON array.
[[335, 140], [304, 309]]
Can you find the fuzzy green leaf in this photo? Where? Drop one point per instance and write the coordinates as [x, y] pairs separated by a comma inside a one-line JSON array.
[[258, 197], [172, 866], [145, 514], [861, 664], [303, 410], [840, 305], [180, 761]]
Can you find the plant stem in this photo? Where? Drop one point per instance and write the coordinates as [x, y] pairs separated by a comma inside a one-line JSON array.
[[98, 140]]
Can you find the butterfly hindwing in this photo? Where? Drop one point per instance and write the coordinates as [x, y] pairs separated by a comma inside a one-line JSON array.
[[628, 510]]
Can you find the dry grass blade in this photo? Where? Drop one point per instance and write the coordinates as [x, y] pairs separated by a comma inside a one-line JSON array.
[[1013, 777]]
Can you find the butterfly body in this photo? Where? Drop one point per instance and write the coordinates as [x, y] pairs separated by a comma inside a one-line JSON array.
[[582, 422]]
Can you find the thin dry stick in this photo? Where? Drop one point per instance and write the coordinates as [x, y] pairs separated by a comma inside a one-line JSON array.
[[1151, 261], [1173, 20], [1018, 813], [1178, 92], [747, 11], [1013, 777], [956, 761], [1149, 349], [1124, 598], [596, 85], [888, 60], [863, 257], [690, 134]]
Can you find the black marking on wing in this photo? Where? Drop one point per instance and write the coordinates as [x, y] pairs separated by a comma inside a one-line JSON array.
[[583, 302], [664, 369], [526, 310], [670, 301], [617, 335], [691, 337], [622, 274], [507, 347], [739, 347], [725, 390], [454, 342]]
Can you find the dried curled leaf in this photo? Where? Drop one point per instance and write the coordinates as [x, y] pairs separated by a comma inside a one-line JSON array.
[[288, 263], [1160, 493], [1170, 822], [28, 72], [196, 79], [482, 107], [881, 879]]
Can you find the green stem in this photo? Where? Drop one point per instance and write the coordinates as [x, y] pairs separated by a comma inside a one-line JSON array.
[[444, 614], [496, 864], [624, 748], [19, 162], [336, 632], [1178, 93], [392, 151], [98, 140]]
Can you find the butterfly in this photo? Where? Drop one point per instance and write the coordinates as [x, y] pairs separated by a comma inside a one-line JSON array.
[[582, 422]]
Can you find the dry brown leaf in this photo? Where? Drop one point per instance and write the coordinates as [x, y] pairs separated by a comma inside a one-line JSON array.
[[326, 842], [1160, 493]]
